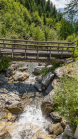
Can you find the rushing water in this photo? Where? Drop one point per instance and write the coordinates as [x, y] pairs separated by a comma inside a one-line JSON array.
[[31, 120]]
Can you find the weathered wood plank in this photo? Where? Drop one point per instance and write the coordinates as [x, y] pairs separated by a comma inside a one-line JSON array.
[[36, 41], [34, 60], [35, 45]]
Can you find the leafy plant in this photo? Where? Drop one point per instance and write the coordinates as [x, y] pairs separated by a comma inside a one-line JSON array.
[[46, 69], [67, 99], [4, 64]]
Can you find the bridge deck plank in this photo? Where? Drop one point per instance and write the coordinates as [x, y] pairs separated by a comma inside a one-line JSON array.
[[57, 53]]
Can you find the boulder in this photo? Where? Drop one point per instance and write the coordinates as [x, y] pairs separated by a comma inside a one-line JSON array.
[[68, 131], [49, 136], [38, 86], [3, 114], [48, 104], [50, 66], [63, 123], [39, 134], [56, 117], [3, 79], [56, 129], [46, 79], [55, 83], [14, 66], [58, 72], [15, 107], [10, 72], [48, 89], [47, 107], [39, 79], [20, 76], [2, 103], [38, 70], [23, 68], [76, 133], [42, 64], [4, 134]]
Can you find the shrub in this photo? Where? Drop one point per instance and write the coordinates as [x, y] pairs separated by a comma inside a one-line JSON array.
[[67, 99], [4, 64]]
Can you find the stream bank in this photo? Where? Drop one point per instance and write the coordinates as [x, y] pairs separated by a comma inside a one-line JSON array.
[[22, 96]]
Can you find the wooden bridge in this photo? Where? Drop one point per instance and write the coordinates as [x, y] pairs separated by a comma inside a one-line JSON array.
[[36, 51]]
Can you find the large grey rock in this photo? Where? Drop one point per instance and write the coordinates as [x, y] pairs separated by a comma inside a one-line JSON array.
[[46, 79], [47, 107], [68, 131], [14, 66], [3, 114], [76, 133], [23, 68], [56, 129], [3, 79], [61, 137], [56, 117], [38, 86], [10, 72], [20, 76], [15, 108], [58, 72], [63, 123], [2, 103], [38, 69], [48, 89], [39, 79], [55, 83], [5, 135], [48, 104], [49, 66]]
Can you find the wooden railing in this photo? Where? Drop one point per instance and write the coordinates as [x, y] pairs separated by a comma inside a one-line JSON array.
[[37, 48]]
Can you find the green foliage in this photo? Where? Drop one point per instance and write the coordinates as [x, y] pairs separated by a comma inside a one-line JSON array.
[[66, 96], [66, 29], [46, 69], [33, 20], [36, 18], [71, 38], [4, 64]]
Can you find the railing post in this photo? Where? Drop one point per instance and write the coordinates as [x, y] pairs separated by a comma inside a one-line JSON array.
[[73, 51], [77, 42], [62, 52], [0, 51], [58, 47], [25, 51], [67, 47], [37, 53], [50, 52], [3, 42], [12, 52]]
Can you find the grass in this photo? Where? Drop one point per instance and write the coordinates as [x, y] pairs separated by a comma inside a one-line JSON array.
[[67, 99]]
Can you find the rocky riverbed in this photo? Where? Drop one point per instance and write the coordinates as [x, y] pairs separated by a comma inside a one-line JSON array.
[[26, 103]]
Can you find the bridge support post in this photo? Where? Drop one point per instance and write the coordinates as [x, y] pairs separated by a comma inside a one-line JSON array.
[[37, 53], [12, 52], [25, 51], [50, 52]]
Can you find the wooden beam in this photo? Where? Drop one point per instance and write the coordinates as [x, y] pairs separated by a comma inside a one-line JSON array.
[[34, 60]]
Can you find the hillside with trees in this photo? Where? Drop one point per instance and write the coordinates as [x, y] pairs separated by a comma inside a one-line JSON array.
[[33, 20]]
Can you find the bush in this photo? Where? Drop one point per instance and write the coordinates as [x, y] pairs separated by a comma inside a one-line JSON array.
[[4, 64], [67, 99]]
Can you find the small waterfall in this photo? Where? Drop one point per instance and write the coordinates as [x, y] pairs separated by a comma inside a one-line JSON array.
[[30, 121]]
